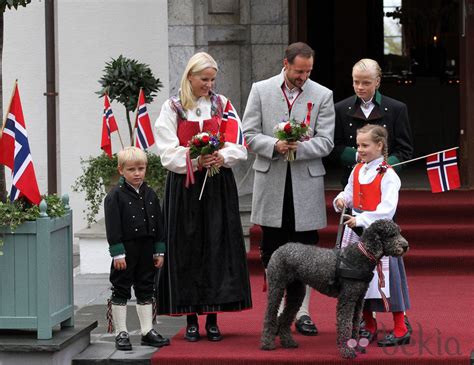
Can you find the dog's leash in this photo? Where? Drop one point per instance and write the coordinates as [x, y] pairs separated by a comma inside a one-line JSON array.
[[340, 229]]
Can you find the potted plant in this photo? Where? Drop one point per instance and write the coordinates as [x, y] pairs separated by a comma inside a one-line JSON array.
[[36, 267], [122, 80]]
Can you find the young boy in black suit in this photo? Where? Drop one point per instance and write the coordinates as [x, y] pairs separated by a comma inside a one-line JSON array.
[[134, 227]]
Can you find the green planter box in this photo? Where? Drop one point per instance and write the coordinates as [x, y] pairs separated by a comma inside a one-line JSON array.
[[36, 275]]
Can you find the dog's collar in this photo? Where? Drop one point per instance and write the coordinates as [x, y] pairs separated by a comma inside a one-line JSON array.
[[366, 253]]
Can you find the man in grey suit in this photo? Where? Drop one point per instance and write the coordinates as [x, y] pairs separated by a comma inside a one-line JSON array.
[[288, 197]]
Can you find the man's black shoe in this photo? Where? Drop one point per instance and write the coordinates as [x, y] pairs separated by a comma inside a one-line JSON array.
[[192, 333], [153, 338], [122, 342], [213, 333], [305, 326], [391, 340]]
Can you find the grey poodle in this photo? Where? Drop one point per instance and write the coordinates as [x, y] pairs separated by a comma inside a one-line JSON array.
[[344, 274]]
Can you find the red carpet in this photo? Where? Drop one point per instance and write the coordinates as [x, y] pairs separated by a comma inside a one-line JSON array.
[[439, 265]]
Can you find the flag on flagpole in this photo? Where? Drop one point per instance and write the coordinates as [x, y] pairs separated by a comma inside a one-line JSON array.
[[15, 153], [109, 125], [231, 126], [144, 134], [443, 172]]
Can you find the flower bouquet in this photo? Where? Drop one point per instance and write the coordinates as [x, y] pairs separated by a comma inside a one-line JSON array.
[[292, 131], [206, 143]]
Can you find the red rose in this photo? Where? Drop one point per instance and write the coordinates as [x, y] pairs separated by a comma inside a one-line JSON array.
[[287, 128], [205, 139], [303, 125], [196, 142]]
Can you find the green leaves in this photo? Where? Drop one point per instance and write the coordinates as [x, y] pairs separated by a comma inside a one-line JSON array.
[[123, 78], [14, 214], [12, 3]]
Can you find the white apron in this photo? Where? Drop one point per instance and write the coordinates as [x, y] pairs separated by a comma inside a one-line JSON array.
[[350, 237]]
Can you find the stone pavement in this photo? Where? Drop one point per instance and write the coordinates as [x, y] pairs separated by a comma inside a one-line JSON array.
[[91, 292]]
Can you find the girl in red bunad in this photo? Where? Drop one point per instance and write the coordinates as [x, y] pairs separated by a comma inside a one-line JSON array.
[[205, 269], [372, 193]]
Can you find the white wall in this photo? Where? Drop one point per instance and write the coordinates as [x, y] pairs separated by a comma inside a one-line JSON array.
[[89, 33]]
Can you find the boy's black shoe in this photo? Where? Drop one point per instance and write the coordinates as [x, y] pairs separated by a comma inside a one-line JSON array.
[[122, 342], [153, 338]]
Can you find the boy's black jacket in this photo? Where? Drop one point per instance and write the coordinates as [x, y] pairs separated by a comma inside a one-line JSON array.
[[130, 215]]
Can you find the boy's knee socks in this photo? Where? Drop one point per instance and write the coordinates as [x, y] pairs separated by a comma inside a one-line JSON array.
[[119, 315], [145, 315]]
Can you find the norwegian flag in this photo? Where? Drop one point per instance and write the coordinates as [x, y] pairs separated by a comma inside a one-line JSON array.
[[15, 153], [231, 126], [443, 171], [144, 134], [109, 125]]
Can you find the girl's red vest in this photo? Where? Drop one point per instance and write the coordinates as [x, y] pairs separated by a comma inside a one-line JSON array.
[[366, 196]]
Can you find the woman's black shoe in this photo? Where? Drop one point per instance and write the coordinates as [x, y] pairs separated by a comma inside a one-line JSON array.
[[122, 342], [213, 333], [192, 333], [391, 340]]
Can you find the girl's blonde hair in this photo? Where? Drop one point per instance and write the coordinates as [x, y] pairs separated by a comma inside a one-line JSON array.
[[197, 63], [367, 64], [131, 154], [377, 134]]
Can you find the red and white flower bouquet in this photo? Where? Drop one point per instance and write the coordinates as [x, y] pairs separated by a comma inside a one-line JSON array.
[[292, 131], [206, 143], [201, 144]]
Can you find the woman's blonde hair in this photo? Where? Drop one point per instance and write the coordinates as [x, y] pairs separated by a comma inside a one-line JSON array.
[[131, 154], [377, 134], [197, 63], [367, 64]]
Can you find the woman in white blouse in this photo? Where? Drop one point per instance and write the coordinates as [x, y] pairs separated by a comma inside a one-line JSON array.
[[205, 270]]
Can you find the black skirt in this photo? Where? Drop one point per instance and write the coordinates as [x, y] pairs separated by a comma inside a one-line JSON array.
[[205, 269]]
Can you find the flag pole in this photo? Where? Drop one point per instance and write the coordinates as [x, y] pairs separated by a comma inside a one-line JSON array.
[[121, 142], [15, 84], [136, 118], [419, 158], [118, 131]]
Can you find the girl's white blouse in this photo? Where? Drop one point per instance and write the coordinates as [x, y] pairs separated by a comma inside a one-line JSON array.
[[390, 187], [173, 156]]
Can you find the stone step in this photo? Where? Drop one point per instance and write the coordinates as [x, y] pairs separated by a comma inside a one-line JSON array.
[[105, 353], [23, 347]]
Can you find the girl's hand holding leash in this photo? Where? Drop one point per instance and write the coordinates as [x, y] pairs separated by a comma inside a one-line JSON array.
[[351, 221], [340, 204]]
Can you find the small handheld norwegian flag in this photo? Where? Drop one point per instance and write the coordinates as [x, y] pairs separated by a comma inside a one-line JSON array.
[[109, 125], [443, 172], [144, 138]]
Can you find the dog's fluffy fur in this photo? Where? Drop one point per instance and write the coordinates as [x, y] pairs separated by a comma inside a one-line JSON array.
[[295, 265]]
